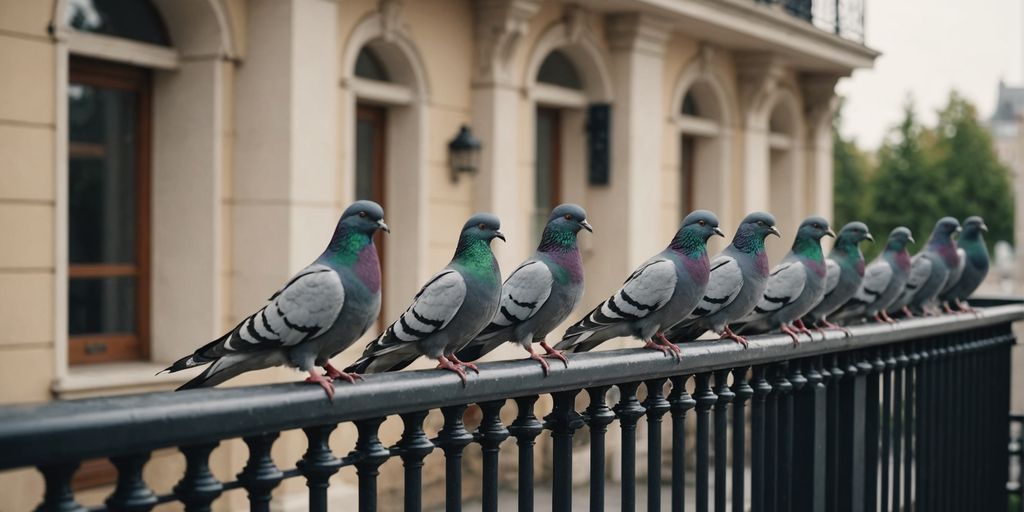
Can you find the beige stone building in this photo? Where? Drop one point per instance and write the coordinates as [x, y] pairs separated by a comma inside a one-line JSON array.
[[165, 165]]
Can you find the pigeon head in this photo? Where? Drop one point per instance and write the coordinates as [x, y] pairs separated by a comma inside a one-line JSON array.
[[697, 228], [482, 226], [752, 231], [569, 217], [364, 216], [899, 239], [945, 228], [973, 228], [814, 228], [852, 234]]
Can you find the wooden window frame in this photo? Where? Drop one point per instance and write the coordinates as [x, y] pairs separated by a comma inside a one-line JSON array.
[[120, 346], [555, 115], [378, 115]]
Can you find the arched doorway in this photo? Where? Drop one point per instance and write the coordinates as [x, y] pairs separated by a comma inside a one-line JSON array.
[[786, 198]]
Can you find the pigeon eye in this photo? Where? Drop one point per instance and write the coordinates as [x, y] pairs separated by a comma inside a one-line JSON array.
[[701, 222], [817, 226], [362, 214], [568, 216], [482, 226], [760, 223]]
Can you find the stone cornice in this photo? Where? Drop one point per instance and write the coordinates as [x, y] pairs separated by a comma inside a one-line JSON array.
[[637, 32], [499, 28]]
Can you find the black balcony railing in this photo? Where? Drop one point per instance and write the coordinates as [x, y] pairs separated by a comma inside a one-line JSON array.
[[845, 18], [894, 417]]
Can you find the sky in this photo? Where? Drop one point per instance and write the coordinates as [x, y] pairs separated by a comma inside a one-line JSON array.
[[930, 47]]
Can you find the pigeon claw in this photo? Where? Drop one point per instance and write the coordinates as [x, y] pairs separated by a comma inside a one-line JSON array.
[[543, 362], [946, 309], [324, 382], [657, 346], [836, 327], [887, 318], [908, 312], [335, 374], [471, 366], [676, 351], [444, 364], [728, 334], [792, 334], [556, 354]]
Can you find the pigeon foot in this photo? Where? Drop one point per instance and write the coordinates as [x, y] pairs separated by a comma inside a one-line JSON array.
[[675, 348], [792, 334], [835, 327], [908, 312], [657, 346], [728, 334], [444, 364], [471, 366], [798, 324], [540, 359], [334, 374], [946, 309], [887, 318], [324, 382], [556, 354]]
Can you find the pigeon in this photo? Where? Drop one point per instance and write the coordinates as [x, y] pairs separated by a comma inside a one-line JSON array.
[[540, 293], [795, 286], [929, 270], [973, 267], [448, 312], [883, 281], [321, 311], [844, 272], [737, 279], [656, 296]]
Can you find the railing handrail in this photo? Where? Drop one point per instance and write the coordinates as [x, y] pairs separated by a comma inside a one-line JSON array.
[[72, 430]]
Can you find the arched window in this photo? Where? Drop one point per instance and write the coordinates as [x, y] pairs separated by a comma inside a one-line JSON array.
[[137, 20], [700, 147], [558, 70], [369, 66], [690, 105]]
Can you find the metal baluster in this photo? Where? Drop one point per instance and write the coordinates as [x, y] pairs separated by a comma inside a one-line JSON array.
[[851, 432], [628, 411], [656, 406], [413, 447], [198, 488], [318, 464], [525, 429], [260, 476], [832, 379], [785, 435], [743, 392], [725, 397], [452, 439], [757, 438], [771, 439], [705, 400], [943, 466], [871, 440], [680, 402], [368, 455], [890, 364], [910, 383], [490, 435], [58, 496], [814, 436], [921, 432], [796, 486], [897, 426], [131, 493], [598, 416], [562, 422]]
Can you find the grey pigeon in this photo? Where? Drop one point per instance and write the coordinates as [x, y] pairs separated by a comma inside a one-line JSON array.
[[540, 293], [929, 270], [737, 279], [844, 272], [795, 286], [656, 296], [973, 267], [883, 282], [448, 312], [321, 311]]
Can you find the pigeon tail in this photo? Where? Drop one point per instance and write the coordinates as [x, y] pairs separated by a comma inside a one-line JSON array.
[[196, 358]]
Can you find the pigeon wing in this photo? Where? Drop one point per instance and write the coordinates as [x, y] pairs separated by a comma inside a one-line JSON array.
[[646, 290], [522, 295], [724, 284], [431, 310], [785, 284], [876, 280], [832, 272]]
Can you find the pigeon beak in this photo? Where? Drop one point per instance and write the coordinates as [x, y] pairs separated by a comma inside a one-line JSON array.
[[959, 229], [382, 226], [498, 234], [869, 238], [984, 228], [718, 232], [586, 225], [775, 231], [911, 240], [830, 233]]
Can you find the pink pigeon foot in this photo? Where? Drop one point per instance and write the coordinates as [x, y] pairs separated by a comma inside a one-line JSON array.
[[727, 334], [553, 353], [324, 382], [471, 366], [444, 364], [792, 334], [336, 374]]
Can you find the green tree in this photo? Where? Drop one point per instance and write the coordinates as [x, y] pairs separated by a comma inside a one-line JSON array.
[[851, 168], [973, 180]]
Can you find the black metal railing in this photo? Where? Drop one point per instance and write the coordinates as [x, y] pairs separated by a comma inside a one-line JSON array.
[[844, 18], [913, 415]]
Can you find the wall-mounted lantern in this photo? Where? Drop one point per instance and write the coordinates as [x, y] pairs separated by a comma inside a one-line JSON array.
[[464, 153]]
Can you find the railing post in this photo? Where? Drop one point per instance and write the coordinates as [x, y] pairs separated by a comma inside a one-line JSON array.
[[490, 435], [597, 416], [413, 447], [131, 493], [525, 429], [871, 421], [757, 438], [705, 400], [260, 476], [898, 413], [368, 455], [909, 447], [890, 364], [725, 397], [784, 480], [629, 411], [680, 402], [809, 479], [198, 488], [58, 496], [318, 464], [743, 392], [563, 422], [452, 439], [851, 452], [656, 406]]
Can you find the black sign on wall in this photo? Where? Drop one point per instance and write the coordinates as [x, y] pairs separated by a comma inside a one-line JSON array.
[[599, 128]]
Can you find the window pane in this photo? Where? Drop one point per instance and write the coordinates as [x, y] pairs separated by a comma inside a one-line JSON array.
[[366, 150], [545, 171], [557, 69], [369, 66], [102, 175], [101, 305], [129, 19]]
